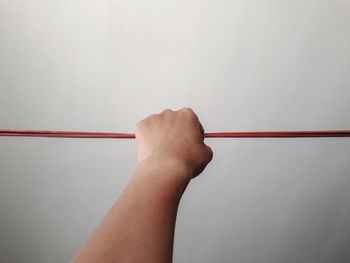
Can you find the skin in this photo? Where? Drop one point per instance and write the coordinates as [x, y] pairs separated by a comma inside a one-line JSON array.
[[140, 225]]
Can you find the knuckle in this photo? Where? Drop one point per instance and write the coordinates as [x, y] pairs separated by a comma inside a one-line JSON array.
[[188, 112], [151, 119], [138, 125], [166, 111]]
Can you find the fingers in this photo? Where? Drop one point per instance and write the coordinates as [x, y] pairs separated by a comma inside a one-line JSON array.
[[193, 116], [201, 129], [190, 114]]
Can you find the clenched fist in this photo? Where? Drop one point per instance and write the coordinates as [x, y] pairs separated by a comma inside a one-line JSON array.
[[176, 137]]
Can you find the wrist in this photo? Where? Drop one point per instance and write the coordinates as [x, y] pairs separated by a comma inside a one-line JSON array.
[[167, 173]]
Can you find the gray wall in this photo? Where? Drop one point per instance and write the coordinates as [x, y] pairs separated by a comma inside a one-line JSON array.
[[241, 65]]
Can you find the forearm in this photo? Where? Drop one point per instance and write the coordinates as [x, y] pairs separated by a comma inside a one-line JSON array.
[[140, 226]]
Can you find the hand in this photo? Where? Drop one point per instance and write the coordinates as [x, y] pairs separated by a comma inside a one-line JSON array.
[[173, 136]]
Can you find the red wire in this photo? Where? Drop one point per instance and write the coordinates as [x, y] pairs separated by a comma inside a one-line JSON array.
[[268, 134]]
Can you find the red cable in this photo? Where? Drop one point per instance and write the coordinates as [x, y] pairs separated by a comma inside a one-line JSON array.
[[270, 134]]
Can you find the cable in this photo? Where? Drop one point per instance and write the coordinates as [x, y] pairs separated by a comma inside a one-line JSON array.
[[264, 134]]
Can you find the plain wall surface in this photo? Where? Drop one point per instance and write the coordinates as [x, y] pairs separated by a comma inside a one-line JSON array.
[[241, 65]]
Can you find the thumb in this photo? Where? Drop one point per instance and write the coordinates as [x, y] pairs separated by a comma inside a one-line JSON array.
[[209, 152]]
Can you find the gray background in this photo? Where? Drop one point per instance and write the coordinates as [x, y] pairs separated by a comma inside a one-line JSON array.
[[241, 65]]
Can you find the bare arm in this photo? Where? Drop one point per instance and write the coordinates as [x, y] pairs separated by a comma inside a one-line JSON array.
[[140, 226]]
